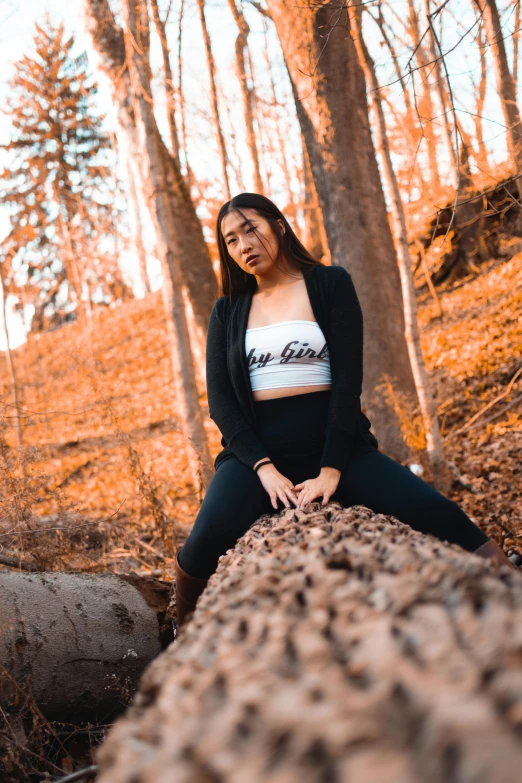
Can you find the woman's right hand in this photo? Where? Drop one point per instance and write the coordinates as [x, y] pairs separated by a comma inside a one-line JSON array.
[[277, 485]]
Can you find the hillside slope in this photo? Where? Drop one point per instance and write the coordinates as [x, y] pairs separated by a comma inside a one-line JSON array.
[[102, 444]]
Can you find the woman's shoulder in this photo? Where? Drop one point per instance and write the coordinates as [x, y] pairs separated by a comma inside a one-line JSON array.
[[332, 274]]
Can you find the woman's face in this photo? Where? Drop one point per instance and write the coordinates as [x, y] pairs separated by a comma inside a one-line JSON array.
[[253, 245]]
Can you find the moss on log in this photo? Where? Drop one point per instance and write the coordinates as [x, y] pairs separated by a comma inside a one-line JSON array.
[[333, 645]]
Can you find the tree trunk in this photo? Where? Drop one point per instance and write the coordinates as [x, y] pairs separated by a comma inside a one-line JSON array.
[[214, 100], [77, 644], [84, 309], [181, 98], [155, 171], [169, 84], [314, 234], [136, 226], [441, 475], [444, 100], [505, 84], [246, 92], [482, 154], [281, 132], [334, 644], [412, 123], [516, 37], [425, 105], [187, 241], [132, 186], [333, 114], [10, 365]]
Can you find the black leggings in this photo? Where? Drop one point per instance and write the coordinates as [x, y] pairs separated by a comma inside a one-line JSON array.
[[292, 428]]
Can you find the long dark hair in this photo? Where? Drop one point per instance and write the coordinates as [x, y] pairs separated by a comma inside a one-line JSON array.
[[233, 279]]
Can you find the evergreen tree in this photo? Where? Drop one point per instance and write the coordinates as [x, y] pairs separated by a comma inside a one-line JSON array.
[[58, 184]]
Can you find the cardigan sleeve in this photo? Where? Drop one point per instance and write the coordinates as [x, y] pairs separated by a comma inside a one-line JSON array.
[[345, 348], [223, 406]]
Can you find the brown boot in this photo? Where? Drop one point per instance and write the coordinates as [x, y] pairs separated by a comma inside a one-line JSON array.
[[492, 550], [188, 590]]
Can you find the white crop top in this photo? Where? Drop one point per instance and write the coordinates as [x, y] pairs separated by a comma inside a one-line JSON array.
[[289, 353]]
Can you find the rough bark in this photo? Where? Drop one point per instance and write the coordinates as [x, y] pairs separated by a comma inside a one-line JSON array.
[[77, 644], [223, 156], [441, 475], [187, 241], [335, 645], [330, 95]]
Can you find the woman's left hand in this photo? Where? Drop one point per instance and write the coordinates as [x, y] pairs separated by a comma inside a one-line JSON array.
[[325, 484]]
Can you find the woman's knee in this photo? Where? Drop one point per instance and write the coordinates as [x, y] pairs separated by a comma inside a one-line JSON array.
[[384, 485], [234, 500]]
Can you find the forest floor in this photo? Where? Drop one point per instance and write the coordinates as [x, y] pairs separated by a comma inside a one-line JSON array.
[[106, 485]]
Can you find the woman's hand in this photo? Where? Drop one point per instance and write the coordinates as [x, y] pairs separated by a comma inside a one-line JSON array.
[[277, 485], [325, 484]]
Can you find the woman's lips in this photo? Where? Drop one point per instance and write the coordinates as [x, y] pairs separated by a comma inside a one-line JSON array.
[[253, 260]]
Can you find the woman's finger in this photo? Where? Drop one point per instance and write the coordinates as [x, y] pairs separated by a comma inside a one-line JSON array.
[[284, 499], [291, 496]]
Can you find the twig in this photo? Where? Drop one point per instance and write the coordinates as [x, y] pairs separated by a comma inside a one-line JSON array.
[[489, 405], [88, 772], [63, 527]]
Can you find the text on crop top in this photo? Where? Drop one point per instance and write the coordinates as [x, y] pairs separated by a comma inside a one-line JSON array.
[[289, 353]]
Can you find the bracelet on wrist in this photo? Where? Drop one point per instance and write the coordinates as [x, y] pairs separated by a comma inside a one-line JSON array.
[[264, 462]]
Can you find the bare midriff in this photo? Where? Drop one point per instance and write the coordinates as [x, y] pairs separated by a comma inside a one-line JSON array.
[[288, 391]]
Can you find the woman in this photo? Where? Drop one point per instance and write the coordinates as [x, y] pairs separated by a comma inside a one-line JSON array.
[[284, 381]]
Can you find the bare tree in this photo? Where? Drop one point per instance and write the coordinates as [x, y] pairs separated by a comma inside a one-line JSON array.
[[247, 93], [505, 83], [161, 30], [516, 41], [187, 240], [181, 98], [412, 128], [424, 104], [8, 355], [155, 174], [330, 96], [442, 478], [218, 130], [481, 156], [167, 199], [440, 79]]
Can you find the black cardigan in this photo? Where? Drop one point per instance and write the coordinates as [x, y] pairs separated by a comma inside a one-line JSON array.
[[337, 310]]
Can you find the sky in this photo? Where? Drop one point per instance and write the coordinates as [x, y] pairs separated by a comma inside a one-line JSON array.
[[17, 18]]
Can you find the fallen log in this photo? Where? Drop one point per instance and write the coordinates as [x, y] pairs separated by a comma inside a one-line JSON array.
[[335, 645], [76, 644], [477, 226]]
